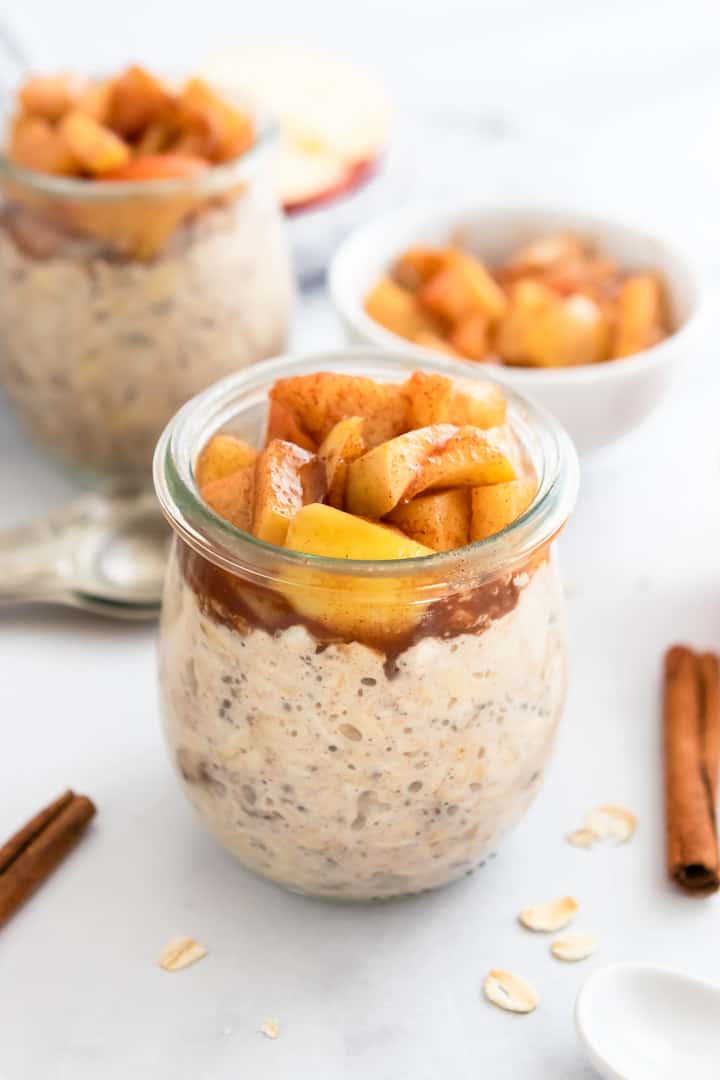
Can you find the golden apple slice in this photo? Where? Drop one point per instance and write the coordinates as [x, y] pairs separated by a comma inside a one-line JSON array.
[[438, 399], [318, 529], [440, 520], [377, 610], [232, 496], [464, 287], [223, 454], [318, 401], [469, 336], [378, 480], [495, 506], [640, 317], [399, 310], [283, 425], [286, 477], [417, 265], [542, 329], [468, 458], [342, 445]]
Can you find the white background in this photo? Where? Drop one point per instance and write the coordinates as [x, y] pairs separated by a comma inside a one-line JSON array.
[[613, 106]]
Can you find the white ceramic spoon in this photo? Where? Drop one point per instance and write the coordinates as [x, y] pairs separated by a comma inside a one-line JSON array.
[[639, 1022]]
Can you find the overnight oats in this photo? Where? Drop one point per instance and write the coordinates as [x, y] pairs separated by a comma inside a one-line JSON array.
[[142, 258], [362, 651]]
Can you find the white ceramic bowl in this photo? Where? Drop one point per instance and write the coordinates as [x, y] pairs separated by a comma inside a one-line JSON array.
[[596, 403]]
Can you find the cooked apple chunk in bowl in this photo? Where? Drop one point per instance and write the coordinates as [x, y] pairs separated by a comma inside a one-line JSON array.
[[590, 317], [362, 653]]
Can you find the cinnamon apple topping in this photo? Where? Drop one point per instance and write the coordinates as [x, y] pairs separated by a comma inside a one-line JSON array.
[[553, 303], [130, 127], [356, 469]]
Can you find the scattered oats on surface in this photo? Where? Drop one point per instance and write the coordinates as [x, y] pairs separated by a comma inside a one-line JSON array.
[[612, 823], [270, 1029], [573, 947], [552, 915], [582, 838], [510, 992], [180, 953]]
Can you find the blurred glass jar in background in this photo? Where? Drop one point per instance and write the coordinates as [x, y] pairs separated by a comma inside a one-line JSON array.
[[119, 301]]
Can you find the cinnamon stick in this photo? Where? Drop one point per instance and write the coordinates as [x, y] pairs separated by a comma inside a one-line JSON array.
[[30, 856], [692, 756]]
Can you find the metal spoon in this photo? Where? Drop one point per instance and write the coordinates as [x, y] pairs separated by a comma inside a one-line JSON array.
[[640, 1022], [105, 555]]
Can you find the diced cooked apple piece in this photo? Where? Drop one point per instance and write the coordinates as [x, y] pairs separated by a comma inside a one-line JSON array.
[[433, 341], [224, 130], [95, 100], [368, 608], [50, 96], [464, 287], [469, 457], [417, 265], [35, 144], [640, 319], [399, 310], [440, 520], [438, 399], [469, 336], [542, 329], [497, 505], [223, 454], [323, 530], [160, 167], [318, 401], [342, 445], [232, 496], [548, 251], [137, 99], [378, 480], [283, 425], [97, 149], [286, 477]]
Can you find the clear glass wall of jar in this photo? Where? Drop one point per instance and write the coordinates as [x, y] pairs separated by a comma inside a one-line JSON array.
[[358, 730], [119, 301]]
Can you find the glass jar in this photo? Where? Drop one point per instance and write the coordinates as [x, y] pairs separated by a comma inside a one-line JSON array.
[[357, 729], [120, 300]]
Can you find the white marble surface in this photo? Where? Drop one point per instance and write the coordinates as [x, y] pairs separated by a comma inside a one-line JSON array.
[[613, 105]]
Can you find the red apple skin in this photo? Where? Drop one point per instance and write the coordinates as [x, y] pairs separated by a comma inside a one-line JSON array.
[[357, 174]]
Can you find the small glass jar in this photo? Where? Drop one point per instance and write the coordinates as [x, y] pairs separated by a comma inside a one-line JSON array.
[[356, 729], [121, 300]]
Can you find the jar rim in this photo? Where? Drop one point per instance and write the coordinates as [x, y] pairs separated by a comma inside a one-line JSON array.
[[215, 179], [224, 544]]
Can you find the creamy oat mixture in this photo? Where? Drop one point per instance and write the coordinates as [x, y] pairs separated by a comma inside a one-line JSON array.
[[319, 771], [97, 353]]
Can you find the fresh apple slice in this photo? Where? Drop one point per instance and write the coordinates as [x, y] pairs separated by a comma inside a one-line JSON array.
[[286, 477], [353, 607], [283, 425], [378, 480], [318, 401], [341, 446], [231, 496], [223, 454], [495, 506], [438, 399], [463, 287], [440, 520], [311, 95], [468, 458]]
